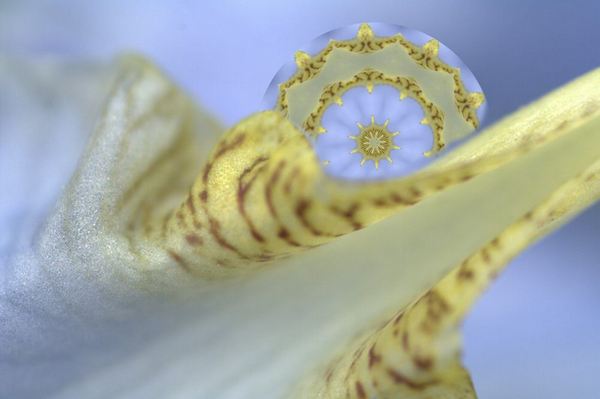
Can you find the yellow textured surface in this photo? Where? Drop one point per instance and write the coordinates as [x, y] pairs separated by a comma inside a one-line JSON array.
[[377, 275], [261, 197]]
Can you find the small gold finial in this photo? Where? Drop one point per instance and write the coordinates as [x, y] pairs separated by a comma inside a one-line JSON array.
[[302, 59], [432, 48], [476, 99], [365, 32]]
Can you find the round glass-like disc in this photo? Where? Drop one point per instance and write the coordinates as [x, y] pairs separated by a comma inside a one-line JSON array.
[[377, 100]]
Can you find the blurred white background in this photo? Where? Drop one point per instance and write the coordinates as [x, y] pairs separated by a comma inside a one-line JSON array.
[[535, 333]]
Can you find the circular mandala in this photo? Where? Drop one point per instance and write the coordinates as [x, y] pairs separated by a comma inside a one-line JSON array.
[[378, 100]]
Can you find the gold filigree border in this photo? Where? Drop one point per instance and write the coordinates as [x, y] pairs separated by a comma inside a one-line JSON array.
[[366, 42], [370, 77]]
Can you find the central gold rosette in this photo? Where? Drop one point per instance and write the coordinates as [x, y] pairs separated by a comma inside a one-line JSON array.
[[375, 142]]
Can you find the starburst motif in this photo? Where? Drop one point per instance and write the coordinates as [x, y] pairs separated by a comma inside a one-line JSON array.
[[374, 142]]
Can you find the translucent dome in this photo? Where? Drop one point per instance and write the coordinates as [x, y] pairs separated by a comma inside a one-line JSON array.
[[377, 100]]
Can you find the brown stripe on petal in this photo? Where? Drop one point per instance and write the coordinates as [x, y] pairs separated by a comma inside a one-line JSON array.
[[400, 378], [416, 193], [241, 197], [269, 187], [464, 273], [193, 239], [287, 187], [165, 224], [495, 243], [398, 318], [398, 199], [179, 260], [349, 215], [436, 305], [374, 358], [379, 202], [206, 172], [301, 208], [215, 231], [329, 374], [405, 341], [190, 204], [181, 219], [360, 391], [423, 363], [465, 177], [284, 234], [485, 255], [226, 147], [204, 196]]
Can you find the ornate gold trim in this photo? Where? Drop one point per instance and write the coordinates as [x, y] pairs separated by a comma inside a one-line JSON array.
[[408, 87], [366, 42]]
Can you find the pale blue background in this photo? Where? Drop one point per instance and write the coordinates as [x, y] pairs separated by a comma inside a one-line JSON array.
[[535, 334]]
